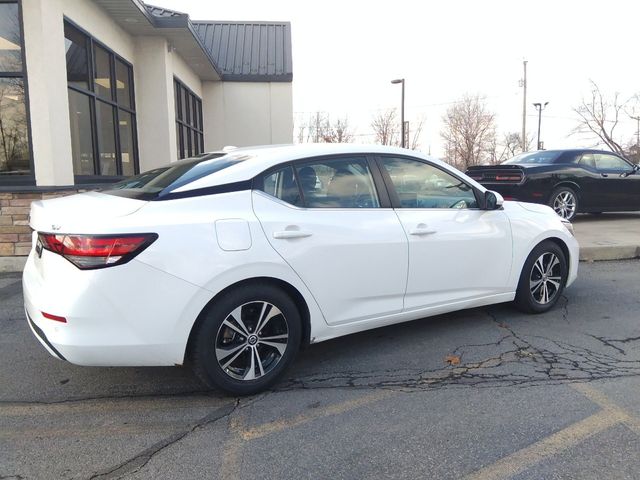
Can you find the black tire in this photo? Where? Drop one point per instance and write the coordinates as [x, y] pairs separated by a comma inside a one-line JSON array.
[[529, 295], [565, 202], [219, 332]]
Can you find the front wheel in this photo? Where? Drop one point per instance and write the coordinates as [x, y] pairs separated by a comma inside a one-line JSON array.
[[543, 278], [564, 202], [247, 339]]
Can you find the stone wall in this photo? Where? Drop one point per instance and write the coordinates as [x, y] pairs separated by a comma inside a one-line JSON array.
[[15, 233]]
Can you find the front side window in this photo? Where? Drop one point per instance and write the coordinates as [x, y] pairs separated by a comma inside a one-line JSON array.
[[101, 108], [189, 133], [14, 136], [421, 185], [611, 163]]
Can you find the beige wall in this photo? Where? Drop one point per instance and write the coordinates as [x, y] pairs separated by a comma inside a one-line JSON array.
[[246, 113]]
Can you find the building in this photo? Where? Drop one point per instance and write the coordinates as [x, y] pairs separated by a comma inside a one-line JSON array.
[[94, 90]]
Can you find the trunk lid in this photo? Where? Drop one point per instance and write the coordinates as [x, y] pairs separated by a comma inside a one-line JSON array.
[[80, 213]]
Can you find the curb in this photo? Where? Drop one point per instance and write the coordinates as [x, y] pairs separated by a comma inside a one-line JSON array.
[[12, 264], [609, 252]]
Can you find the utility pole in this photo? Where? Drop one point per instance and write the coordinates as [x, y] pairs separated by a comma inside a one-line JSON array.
[[637, 119], [317, 127], [402, 125], [524, 106], [539, 108]]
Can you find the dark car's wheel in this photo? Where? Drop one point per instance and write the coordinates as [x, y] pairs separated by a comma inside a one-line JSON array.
[[565, 202], [246, 339], [543, 278]]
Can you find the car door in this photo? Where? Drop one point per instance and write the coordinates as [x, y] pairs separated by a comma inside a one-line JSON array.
[[619, 187], [456, 251], [328, 222]]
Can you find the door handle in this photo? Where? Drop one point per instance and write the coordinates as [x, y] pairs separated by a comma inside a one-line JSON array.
[[286, 234], [422, 229], [605, 175]]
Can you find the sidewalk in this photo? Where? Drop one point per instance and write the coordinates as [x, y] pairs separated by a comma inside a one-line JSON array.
[[609, 236]]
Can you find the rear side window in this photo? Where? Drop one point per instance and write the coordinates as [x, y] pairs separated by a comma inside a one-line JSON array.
[[282, 184], [325, 183]]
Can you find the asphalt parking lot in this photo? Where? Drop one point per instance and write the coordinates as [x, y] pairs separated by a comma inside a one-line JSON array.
[[481, 394]]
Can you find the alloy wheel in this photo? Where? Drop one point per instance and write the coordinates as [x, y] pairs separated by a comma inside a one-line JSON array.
[[565, 204], [251, 340], [545, 280]]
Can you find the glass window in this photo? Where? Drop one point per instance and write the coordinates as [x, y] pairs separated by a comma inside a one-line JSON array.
[[544, 157], [339, 183], [14, 140], [102, 73], [127, 152], [282, 184], [77, 57], [10, 39], [421, 185], [106, 139], [123, 84], [152, 184], [611, 162], [588, 160], [189, 137], [95, 104], [81, 133]]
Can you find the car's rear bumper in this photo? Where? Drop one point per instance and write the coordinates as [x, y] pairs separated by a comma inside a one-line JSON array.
[[126, 315]]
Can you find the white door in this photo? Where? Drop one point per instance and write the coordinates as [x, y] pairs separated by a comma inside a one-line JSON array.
[[326, 222], [456, 251]]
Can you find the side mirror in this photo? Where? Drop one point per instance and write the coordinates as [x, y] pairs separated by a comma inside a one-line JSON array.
[[492, 200]]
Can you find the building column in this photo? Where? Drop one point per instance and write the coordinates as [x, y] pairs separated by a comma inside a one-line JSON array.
[[47, 91], [155, 109]]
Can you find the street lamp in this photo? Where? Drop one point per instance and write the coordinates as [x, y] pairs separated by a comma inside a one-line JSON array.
[[401, 80], [540, 107]]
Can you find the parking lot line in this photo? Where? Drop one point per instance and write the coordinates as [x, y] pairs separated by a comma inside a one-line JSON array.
[[551, 445], [610, 415], [329, 410], [596, 396]]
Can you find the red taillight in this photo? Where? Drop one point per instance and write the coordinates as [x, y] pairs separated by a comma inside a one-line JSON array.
[[508, 178], [96, 251], [54, 317]]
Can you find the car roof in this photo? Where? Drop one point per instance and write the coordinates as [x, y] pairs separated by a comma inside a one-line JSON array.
[[254, 160]]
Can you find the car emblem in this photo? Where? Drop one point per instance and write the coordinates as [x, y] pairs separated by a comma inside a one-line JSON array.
[[55, 227]]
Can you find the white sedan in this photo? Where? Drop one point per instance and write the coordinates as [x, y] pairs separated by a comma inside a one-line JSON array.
[[233, 262]]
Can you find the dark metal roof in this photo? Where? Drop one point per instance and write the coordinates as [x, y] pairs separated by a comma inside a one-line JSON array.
[[249, 51], [232, 51], [163, 12]]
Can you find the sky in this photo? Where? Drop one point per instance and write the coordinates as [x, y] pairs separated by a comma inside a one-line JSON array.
[[345, 53]]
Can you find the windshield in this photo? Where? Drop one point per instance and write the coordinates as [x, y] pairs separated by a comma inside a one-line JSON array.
[[541, 158], [154, 183]]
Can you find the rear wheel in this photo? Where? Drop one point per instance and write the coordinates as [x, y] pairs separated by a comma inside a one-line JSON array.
[[543, 278], [247, 339], [564, 202]]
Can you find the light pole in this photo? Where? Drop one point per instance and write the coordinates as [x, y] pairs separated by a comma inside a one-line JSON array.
[[540, 107], [401, 80]]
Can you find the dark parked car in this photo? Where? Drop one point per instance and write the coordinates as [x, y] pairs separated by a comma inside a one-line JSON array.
[[569, 181]]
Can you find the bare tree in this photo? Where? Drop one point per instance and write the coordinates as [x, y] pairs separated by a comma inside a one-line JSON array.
[[599, 117], [415, 132], [469, 132], [320, 128], [385, 127]]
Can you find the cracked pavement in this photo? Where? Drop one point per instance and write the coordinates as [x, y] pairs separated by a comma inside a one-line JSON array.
[[380, 404]]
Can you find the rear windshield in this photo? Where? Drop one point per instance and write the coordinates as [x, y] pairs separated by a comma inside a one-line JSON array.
[[160, 181], [540, 158]]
